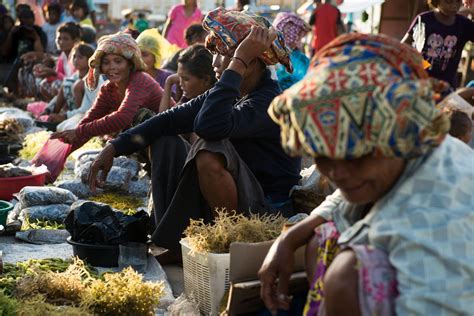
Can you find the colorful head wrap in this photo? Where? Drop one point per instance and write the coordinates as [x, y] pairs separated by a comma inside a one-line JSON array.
[[152, 41], [121, 44], [292, 26], [364, 94], [228, 28]]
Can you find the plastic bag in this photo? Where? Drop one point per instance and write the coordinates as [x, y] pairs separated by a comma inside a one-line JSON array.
[[80, 189], [32, 196], [36, 108], [53, 213], [96, 223], [53, 155]]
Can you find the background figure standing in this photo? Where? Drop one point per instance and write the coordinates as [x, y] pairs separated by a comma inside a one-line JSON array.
[[180, 17], [141, 24], [440, 35], [327, 24]]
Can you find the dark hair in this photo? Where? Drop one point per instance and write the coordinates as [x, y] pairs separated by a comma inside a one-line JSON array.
[[89, 34], [193, 33], [25, 14], [72, 29], [141, 15], [433, 3], [6, 17], [54, 7], [22, 6], [81, 4], [461, 124], [198, 61], [83, 49]]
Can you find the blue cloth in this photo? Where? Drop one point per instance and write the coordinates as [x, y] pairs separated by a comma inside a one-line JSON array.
[[300, 66], [219, 114], [470, 84]]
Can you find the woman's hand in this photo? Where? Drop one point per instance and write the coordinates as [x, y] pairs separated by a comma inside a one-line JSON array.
[[172, 80], [68, 136], [278, 265], [255, 44], [56, 117], [104, 163]]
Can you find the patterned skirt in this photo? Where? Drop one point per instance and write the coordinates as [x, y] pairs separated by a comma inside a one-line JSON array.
[[377, 287]]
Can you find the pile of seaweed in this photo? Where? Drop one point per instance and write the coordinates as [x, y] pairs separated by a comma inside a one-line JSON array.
[[64, 287]]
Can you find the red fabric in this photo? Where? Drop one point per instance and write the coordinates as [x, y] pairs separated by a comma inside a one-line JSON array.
[[53, 155], [325, 26], [110, 115]]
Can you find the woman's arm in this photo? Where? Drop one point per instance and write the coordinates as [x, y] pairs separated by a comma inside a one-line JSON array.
[[278, 264], [166, 101], [166, 28]]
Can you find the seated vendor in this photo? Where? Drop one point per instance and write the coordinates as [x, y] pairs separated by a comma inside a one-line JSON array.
[[395, 238], [238, 162], [119, 103]]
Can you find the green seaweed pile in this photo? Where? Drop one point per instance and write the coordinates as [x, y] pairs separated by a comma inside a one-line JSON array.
[[124, 203], [70, 287]]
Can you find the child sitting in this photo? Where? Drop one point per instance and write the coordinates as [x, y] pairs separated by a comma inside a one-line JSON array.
[[66, 100], [195, 76]]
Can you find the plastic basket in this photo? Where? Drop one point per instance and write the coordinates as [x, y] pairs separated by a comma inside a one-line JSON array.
[[10, 186], [5, 207], [206, 277]]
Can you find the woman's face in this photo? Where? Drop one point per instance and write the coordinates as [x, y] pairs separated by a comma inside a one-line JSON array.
[[191, 85], [80, 62], [149, 59], [64, 41], [363, 180], [116, 68], [220, 63], [449, 7]]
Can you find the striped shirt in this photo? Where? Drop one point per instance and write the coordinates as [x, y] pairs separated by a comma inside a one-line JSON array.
[[109, 114]]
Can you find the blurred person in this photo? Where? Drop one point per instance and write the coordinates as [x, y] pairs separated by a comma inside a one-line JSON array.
[[154, 49], [80, 12], [180, 17], [440, 35], [240, 5], [89, 35], [294, 29], [326, 22], [461, 124], [66, 15], [194, 34], [6, 24], [66, 100], [53, 16], [141, 23]]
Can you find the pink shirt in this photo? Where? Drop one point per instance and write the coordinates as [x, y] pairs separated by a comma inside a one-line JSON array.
[[179, 23]]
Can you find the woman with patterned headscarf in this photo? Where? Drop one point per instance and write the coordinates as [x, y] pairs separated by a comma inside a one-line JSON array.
[[399, 227], [238, 162], [128, 90], [294, 29]]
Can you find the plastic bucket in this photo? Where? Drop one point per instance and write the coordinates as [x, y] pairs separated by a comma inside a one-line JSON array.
[[10, 186], [5, 207], [96, 255]]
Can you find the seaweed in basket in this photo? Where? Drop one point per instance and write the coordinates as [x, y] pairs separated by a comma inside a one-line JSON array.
[[229, 227]]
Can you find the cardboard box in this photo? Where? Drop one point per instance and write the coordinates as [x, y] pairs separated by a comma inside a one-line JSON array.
[[245, 261]]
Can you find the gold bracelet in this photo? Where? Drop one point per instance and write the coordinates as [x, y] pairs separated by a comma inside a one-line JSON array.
[[241, 60]]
